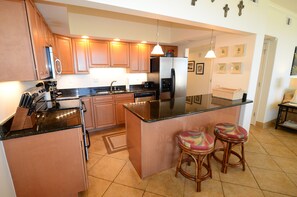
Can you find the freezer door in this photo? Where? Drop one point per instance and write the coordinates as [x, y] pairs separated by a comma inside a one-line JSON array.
[[180, 66]]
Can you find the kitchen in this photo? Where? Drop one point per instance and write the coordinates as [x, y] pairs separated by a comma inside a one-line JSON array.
[[101, 76]]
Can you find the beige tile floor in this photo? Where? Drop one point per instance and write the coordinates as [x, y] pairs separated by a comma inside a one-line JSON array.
[[271, 171]]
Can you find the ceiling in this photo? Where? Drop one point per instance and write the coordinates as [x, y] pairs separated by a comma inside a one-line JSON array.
[[57, 17]]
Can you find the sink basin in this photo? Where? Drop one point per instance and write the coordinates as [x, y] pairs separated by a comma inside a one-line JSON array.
[[118, 91], [103, 92], [113, 92]]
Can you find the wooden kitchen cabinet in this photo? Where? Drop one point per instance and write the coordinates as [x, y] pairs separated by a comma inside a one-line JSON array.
[[99, 54], [165, 49], [120, 100], [49, 164], [119, 54], [104, 111], [139, 58], [89, 114], [64, 53], [80, 54], [22, 49]]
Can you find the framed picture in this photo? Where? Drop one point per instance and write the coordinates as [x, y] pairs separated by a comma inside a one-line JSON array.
[[222, 68], [199, 68], [235, 68], [191, 66], [223, 52], [189, 100], [239, 50], [294, 63], [198, 99]]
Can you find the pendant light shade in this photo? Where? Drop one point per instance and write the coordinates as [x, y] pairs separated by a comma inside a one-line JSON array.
[[157, 50], [210, 54]]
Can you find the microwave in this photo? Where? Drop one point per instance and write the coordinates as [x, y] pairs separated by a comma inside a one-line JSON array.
[[54, 64]]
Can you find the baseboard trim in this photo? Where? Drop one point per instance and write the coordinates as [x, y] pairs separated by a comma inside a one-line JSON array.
[[265, 125]]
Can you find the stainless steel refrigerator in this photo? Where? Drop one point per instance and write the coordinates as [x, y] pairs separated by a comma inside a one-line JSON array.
[[171, 74]]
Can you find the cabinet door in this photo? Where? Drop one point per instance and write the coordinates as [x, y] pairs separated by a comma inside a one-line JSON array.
[[88, 115], [104, 111], [134, 58], [49, 160], [144, 58], [99, 55], [80, 53], [104, 114], [170, 48], [119, 54], [16, 56], [64, 52]]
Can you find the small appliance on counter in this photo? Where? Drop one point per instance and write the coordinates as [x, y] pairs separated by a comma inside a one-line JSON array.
[[148, 84]]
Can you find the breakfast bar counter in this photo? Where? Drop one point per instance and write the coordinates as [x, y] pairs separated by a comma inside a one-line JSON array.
[[151, 127]]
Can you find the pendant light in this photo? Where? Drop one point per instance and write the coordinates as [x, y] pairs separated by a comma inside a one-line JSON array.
[[157, 50], [210, 54]]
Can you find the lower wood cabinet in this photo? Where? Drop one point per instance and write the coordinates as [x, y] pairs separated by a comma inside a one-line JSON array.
[[104, 111], [89, 114], [49, 164], [107, 110]]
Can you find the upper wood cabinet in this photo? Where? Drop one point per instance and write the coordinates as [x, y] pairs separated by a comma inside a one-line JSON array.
[[139, 58], [22, 49], [165, 49], [64, 53], [99, 54], [80, 54], [119, 54]]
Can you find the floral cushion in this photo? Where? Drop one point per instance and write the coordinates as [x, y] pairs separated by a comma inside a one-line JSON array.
[[196, 140], [229, 130]]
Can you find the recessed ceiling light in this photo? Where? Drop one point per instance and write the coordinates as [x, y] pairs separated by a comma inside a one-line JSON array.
[[143, 42], [117, 39], [85, 37]]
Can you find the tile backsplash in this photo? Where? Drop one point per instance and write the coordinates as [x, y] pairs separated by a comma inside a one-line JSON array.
[[101, 77]]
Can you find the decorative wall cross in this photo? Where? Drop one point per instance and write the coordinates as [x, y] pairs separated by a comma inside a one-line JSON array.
[[193, 2], [226, 9], [240, 6]]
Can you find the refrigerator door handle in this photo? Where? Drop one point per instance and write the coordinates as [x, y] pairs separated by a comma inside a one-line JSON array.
[[172, 91]]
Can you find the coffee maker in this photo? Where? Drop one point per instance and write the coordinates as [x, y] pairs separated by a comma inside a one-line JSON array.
[[51, 89]]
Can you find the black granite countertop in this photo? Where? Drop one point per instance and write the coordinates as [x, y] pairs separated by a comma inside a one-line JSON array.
[[151, 111], [95, 91], [47, 121]]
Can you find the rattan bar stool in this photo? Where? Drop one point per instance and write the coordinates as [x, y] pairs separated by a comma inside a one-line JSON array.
[[196, 146], [230, 135]]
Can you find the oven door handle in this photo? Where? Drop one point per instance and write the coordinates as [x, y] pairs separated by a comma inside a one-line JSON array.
[[88, 138]]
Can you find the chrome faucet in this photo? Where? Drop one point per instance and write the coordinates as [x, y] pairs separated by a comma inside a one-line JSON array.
[[111, 85]]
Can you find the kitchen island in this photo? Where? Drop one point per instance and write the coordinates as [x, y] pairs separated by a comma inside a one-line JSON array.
[[151, 127]]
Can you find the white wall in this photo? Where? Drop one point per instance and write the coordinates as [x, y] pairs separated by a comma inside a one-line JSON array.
[[10, 93], [101, 77], [199, 84], [229, 80]]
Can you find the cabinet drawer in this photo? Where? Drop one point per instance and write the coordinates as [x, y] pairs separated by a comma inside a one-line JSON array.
[[129, 96], [106, 98]]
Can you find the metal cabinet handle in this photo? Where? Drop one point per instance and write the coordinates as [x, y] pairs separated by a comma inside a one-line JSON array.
[[58, 66]]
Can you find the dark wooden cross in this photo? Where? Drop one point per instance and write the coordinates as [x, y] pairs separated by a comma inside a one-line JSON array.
[[193, 2], [226, 9], [240, 6]]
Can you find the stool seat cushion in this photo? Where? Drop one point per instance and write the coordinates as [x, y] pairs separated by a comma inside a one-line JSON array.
[[196, 140], [228, 130]]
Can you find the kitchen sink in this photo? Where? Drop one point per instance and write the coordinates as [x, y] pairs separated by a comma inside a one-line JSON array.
[[113, 92]]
